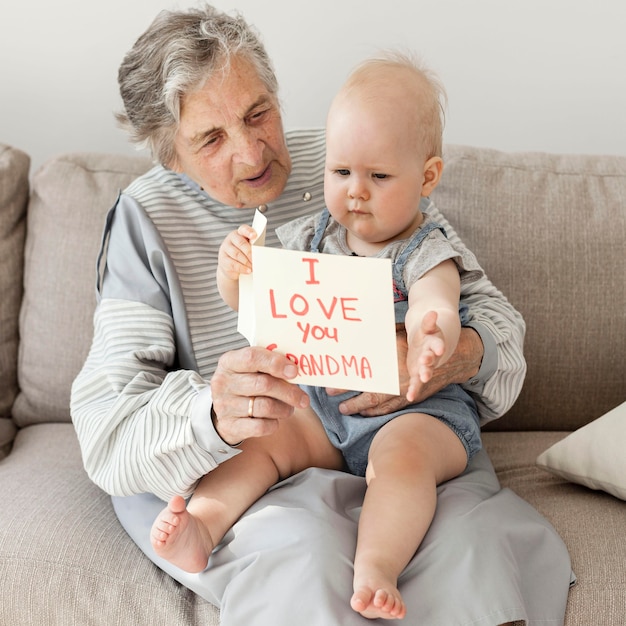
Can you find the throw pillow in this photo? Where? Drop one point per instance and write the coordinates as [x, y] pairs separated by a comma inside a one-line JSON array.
[[592, 455]]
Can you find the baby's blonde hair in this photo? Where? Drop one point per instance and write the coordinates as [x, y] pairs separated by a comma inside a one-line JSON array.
[[421, 82]]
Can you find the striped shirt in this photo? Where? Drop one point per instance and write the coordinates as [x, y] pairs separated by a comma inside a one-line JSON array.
[[141, 404]]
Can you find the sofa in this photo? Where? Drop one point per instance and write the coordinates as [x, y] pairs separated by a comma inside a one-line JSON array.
[[550, 231]]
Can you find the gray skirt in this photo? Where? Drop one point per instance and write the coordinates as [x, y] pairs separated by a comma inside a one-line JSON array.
[[488, 557]]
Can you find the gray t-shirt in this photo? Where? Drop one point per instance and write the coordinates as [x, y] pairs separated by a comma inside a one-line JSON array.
[[434, 249]]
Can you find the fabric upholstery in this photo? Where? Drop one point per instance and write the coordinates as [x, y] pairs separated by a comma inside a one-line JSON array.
[[591, 523], [64, 555], [14, 166], [71, 196], [549, 231]]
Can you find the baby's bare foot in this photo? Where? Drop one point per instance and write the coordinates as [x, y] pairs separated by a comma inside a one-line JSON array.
[[377, 598], [180, 538]]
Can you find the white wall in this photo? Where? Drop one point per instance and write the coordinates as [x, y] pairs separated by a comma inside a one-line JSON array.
[[546, 75]]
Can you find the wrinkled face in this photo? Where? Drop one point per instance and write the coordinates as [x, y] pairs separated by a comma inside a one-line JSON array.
[[374, 173], [230, 139]]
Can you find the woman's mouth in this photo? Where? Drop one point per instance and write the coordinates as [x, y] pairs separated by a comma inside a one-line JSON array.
[[261, 179]]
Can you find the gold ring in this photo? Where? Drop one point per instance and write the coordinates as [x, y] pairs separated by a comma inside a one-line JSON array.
[[251, 406]]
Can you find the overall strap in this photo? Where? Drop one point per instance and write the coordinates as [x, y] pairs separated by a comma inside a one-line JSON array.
[[319, 230], [415, 241]]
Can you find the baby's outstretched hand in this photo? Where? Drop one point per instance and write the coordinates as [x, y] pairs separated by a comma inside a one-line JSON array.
[[426, 348], [235, 253]]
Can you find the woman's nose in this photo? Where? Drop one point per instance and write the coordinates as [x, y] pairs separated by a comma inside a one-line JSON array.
[[249, 148]]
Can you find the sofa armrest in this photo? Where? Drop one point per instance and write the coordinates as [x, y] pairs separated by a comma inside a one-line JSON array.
[[14, 166]]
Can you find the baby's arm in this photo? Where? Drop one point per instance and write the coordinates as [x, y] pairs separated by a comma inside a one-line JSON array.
[[234, 258], [432, 322]]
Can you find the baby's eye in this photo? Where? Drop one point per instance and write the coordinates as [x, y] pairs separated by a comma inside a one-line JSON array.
[[380, 176], [343, 172]]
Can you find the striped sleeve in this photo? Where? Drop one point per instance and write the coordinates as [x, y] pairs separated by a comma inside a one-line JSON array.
[[131, 413], [502, 330]]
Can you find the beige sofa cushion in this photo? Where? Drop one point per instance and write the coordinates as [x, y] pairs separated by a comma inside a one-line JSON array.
[[512, 209], [71, 196], [563, 269], [591, 523], [14, 166], [65, 560]]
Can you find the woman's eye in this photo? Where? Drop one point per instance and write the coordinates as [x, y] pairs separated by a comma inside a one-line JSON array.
[[257, 116], [211, 141]]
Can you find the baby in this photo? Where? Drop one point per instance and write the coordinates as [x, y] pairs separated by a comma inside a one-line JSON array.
[[383, 160]]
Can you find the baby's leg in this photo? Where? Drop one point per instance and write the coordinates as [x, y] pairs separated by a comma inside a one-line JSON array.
[[408, 458], [186, 535]]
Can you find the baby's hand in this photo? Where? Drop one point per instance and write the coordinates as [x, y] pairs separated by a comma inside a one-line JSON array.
[[235, 254], [426, 348]]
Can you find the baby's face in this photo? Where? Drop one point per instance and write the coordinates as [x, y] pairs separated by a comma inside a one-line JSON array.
[[374, 172]]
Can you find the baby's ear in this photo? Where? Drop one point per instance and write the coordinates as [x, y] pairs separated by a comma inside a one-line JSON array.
[[432, 174]]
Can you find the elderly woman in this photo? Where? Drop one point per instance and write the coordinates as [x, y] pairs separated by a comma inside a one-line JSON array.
[[169, 389]]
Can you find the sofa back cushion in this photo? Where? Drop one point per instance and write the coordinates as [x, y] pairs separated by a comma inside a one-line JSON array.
[[550, 231], [70, 198], [14, 166]]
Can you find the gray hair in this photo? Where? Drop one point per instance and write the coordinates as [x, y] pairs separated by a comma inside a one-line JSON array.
[[176, 55]]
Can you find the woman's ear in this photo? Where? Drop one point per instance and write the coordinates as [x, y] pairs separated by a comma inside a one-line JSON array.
[[432, 174]]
